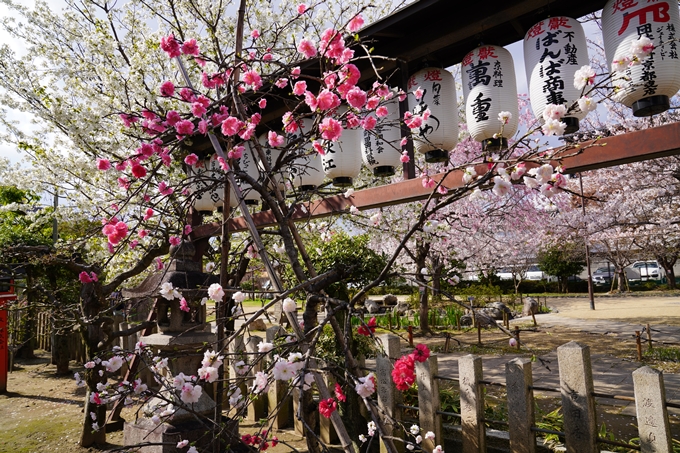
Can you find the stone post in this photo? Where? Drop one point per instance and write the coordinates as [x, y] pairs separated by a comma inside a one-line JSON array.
[[578, 402], [388, 395], [652, 414], [280, 403], [472, 404], [518, 380], [428, 402], [256, 408]]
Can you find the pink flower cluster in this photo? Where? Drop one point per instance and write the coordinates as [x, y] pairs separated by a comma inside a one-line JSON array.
[[404, 374], [87, 278], [115, 231], [259, 442]]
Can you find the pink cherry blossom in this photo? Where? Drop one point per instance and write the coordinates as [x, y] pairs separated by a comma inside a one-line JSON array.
[[356, 97], [103, 164], [184, 127], [187, 230], [310, 100], [128, 120], [330, 129], [356, 23], [253, 79], [369, 123], [236, 152], [167, 88], [190, 47], [191, 159], [138, 171], [175, 240], [295, 72], [281, 83], [159, 264], [170, 46], [300, 88], [148, 214], [187, 94], [172, 118], [301, 8], [318, 147], [405, 157], [262, 104], [274, 139], [203, 127], [418, 93], [165, 189], [255, 34], [223, 164], [231, 126], [307, 47], [381, 112], [372, 102], [198, 109], [84, 278], [327, 100], [123, 183], [183, 305]]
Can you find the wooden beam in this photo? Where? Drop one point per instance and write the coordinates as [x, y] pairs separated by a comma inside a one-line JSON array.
[[608, 152]]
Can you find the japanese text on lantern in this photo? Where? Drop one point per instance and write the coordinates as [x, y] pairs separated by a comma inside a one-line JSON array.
[[477, 74], [480, 107], [659, 13]]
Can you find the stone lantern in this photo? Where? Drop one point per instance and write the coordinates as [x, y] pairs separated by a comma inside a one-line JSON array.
[[182, 338]]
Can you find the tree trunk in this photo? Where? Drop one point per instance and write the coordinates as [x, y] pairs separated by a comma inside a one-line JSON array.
[[422, 249], [667, 262], [61, 353]]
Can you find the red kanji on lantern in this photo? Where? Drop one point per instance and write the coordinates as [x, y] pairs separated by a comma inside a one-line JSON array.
[[434, 75], [622, 5], [555, 23], [535, 30], [467, 60], [411, 83], [486, 52]]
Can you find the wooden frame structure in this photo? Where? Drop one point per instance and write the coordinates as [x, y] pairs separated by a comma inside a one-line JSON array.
[[453, 27]]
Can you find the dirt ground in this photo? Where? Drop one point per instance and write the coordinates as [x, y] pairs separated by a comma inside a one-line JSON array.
[[42, 412]]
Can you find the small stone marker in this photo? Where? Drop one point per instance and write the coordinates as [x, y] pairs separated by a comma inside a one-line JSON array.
[[472, 404], [578, 402], [518, 380], [652, 415]]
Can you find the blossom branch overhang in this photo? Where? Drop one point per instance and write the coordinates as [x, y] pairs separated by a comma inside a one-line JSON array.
[[606, 152]]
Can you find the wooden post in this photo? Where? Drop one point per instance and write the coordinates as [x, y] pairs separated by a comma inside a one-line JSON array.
[[518, 380], [410, 336], [517, 336], [428, 401], [578, 402], [388, 396], [650, 346], [652, 414], [447, 343], [479, 334], [638, 345], [472, 404]]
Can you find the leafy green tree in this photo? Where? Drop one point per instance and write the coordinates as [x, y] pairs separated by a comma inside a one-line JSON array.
[[562, 261]]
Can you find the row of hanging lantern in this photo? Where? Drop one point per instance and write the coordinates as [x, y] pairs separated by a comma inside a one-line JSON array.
[[554, 49]]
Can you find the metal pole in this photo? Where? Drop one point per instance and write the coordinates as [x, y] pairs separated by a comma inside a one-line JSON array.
[[590, 277]]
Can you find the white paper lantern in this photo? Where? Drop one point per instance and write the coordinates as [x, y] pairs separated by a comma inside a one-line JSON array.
[[439, 134], [554, 49], [380, 147], [306, 172], [342, 161], [645, 87], [216, 175], [272, 155], [199, 185], [248, 164], [489, 88]]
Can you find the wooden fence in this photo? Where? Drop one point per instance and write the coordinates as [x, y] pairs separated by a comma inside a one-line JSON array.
[[578, 395]]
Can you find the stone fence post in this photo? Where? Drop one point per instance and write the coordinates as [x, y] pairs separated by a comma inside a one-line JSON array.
[[518, 380], [388, 396], [652, 414], [578, 402], [472, 404], [256, 408], [428, 402], [280, 403]]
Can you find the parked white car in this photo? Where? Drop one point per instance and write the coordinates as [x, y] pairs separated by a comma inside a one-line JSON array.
[[648, 270], [535, 273]]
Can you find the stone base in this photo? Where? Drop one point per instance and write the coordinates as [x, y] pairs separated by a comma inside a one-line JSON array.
[[144, 431]]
